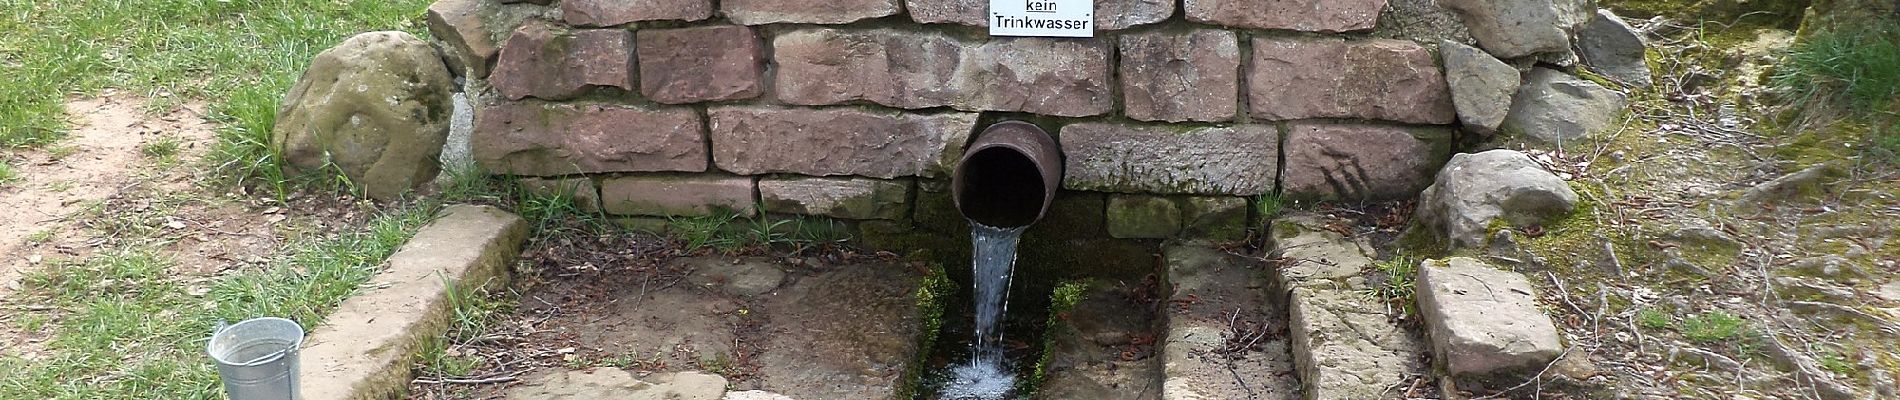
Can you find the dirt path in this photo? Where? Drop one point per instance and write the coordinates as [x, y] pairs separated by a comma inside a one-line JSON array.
[[98, 158]]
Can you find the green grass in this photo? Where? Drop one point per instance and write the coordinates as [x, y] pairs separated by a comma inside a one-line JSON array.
[[239, 55], [1858, 65], [1267, 205], [1853, 72], [471, 311], [1654, 318], [164, 149], [1713, 326], [1397, 289], [122, 326], [7, 175]]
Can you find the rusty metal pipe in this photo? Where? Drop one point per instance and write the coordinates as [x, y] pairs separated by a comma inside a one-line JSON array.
[[1008, 176]]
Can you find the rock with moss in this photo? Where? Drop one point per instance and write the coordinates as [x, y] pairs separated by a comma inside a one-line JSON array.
[[1519, 28], [375, 108], [1614, 49], [1555, 107], [1481, 86], [1142, 217], [1474, 191]]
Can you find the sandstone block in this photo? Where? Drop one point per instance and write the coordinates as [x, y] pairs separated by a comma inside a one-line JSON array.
[[1109, 14], [708, 63], [1328, 161], [897, 68], [1143, 217], [469, 31], [1215, 217], [1329, 16], [670, 196], [1383, 79], [1060, 77], [1484, 321], [1346, 347], [752, 140], [961, 12], [620, 12], [555, 64], [1180, 77], [761, 12], [545, 139], [848, 198], [1481, 86], [375, 107], [1238, 160]]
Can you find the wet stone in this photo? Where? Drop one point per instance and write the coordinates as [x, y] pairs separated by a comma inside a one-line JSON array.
[[1103, 348], [1143, 217]]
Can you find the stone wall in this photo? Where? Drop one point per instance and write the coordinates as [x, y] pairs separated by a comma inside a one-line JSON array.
[[1171, 119]]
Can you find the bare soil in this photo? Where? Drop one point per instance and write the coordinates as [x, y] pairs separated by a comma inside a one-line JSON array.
[[838, 325], [100, 189]]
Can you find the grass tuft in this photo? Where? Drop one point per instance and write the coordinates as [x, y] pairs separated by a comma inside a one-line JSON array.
[[1713, 326], [1860, 65]]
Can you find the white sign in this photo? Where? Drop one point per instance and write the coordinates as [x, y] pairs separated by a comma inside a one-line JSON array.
[[1060, 18]]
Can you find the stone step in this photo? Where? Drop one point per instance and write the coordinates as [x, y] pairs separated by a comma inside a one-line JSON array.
[[1225, 336], [1346, 345], [1101, 343]]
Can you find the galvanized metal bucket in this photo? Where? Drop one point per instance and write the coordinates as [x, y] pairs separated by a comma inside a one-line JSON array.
[[257, 358]]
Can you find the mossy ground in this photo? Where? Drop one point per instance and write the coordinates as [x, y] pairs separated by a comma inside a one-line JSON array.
[[1681, 157]]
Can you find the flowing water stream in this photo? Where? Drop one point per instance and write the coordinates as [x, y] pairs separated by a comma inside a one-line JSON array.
[[986, 376]]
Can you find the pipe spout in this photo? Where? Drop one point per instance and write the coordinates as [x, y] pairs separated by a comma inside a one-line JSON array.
[[1008, 176]]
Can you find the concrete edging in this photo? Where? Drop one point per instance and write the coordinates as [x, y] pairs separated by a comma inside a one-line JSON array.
[[364, 350]]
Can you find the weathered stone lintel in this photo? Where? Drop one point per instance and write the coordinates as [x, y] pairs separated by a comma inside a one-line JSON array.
[[365, 349]]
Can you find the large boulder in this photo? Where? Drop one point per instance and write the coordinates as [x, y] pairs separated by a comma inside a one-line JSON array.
[[1481, 86], [1554, 107], [1473, 190], [1484, 322], [1614, 49], [376, 108], [1518, 28]]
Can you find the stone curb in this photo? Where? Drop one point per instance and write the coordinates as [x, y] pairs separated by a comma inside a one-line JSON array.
[[365, 349]]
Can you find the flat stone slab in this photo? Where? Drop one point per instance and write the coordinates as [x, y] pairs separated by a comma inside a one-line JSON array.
[[365, 349], [806, 332], [850, 332], [1484, 321], [1223, 341], [1346, 345], [615, 383], [1103, 347]]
